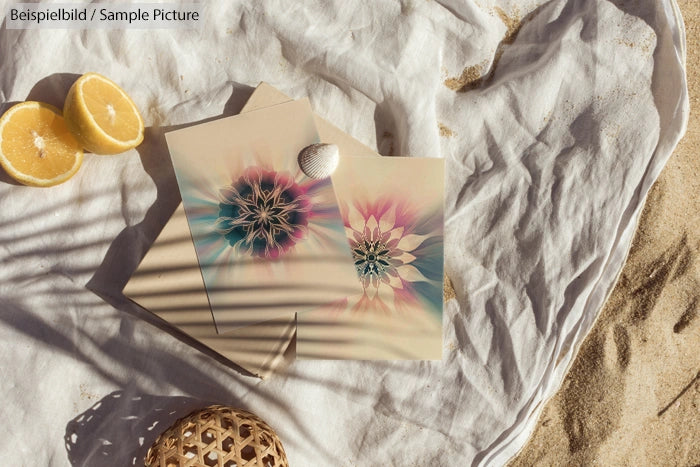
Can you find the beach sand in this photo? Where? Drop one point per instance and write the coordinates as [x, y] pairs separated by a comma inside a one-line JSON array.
[[632, 394]]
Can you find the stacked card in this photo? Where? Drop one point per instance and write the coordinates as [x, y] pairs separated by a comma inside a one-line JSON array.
[[358, 257]]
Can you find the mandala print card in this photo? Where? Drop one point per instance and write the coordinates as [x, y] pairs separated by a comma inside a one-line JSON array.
[[270, 241], [392, 208]]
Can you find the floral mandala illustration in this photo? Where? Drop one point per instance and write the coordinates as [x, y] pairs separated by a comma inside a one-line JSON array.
[[371, 257], [264, 213], [397, 253]]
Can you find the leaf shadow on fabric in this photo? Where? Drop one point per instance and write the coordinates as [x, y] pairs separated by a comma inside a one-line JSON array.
[[203, 375], [97, 438], [123, 257], [111, 343], [131, 244]]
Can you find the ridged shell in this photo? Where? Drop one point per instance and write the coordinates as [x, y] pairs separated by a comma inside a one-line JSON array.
[[319, 160]]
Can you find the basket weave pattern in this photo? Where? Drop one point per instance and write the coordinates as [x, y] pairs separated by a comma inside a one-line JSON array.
[[218, 436]]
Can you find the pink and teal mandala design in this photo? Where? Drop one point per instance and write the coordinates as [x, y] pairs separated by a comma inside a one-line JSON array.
[[397, 252], [264, 213]]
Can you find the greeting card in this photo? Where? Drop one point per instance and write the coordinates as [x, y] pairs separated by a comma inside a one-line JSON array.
[[392, 209], [270, 241]]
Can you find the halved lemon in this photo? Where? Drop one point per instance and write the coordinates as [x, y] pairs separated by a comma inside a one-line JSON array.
[[36, 146], [102, 116]]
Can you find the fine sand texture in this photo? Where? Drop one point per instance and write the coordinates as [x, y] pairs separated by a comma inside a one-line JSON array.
[[632, 395]]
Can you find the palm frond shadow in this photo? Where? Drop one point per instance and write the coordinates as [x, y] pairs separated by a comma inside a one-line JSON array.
[[123, 257], [122, 361], [133, 242], [126, 360]]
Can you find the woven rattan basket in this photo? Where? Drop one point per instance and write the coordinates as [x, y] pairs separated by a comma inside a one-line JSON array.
[[218, 436]]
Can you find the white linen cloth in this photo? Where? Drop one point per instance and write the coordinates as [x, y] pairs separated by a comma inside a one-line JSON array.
[[548, 165]]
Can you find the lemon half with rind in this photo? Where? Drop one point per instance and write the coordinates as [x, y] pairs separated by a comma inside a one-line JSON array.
[[36, 146], [102, 117]]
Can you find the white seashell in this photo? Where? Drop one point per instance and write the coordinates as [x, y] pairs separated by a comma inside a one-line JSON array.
[[319, 160]]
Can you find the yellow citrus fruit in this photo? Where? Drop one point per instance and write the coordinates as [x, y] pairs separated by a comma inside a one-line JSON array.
[[102, 116], [36, 146]]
